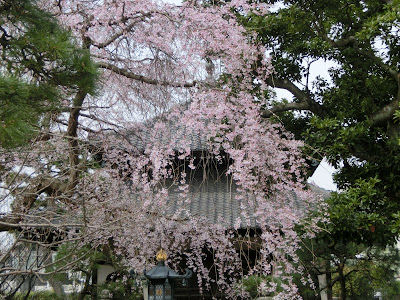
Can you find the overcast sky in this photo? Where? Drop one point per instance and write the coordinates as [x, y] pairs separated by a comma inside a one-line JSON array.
[[323, 177]]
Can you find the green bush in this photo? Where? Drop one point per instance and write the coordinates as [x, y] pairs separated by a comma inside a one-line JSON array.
[[42, 295], [119, 290], [252, 283]]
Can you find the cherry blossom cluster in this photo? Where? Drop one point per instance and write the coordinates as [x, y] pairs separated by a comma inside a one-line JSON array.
[[171, 73]]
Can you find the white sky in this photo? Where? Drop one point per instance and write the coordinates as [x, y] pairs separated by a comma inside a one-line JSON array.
[[322, 176]]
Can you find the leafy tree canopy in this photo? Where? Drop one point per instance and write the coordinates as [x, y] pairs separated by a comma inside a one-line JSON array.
[[350, 116]]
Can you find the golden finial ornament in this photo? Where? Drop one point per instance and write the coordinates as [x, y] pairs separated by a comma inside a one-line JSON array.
[[161, 255]]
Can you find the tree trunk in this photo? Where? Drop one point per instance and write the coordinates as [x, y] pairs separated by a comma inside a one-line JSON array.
[[85, 289], [329, 282], [31, 283], [94, 283], [57, 287], [342, 280], [55, 283]]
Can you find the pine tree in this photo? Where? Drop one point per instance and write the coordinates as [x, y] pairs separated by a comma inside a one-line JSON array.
[[40, 63]]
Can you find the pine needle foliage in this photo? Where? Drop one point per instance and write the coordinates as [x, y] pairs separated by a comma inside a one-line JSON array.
[[40, 65]]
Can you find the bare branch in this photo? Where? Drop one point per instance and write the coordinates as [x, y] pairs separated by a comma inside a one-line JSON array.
[[143, 79], [5, 256], [8, 224], [386, 112], [80, 126], [41, 184], [305, 102], [352, 41], [93, 117], [121, 33]]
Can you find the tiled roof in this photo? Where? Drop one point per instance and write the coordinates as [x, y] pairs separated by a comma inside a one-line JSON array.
[[217, 202], [214, 200], [173, 134]]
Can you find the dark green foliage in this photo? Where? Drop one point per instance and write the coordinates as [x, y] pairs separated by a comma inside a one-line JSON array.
[[86, 262], [33, 44], [20, 112], [363, 215], [362, 269], [355, 247], [49, 295], [40, 64], [44, 295], [120, 290], [374, 271], [252, 283], [350, 117]]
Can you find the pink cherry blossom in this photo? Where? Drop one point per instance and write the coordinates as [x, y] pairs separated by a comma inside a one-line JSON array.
[[161, 93]]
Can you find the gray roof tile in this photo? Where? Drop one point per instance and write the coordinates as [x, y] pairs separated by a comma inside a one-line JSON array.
[[217, 202]]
